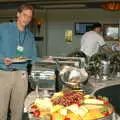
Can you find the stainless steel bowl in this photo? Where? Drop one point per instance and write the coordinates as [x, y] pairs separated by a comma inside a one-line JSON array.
[[73, 77]]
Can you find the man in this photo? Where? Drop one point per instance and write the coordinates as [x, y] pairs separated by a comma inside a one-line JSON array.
[[16, 40], [92, 41]]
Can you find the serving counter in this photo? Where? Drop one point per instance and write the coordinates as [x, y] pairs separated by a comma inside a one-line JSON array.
[[93, 86], [97, 84]]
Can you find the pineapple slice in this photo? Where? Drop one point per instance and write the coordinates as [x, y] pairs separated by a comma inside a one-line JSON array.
[[57, 94], [93, 101], [56, 108], [82, 111]]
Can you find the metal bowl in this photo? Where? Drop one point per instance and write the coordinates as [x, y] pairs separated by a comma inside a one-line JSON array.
[[73, 77]]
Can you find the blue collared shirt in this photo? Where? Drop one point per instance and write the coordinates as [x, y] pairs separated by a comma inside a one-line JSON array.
[[9, 38]]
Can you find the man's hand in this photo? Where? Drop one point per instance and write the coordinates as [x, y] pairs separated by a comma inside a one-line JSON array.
[[107, 48], [7, 61]]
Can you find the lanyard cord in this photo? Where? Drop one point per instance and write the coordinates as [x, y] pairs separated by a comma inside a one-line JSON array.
[[21, 41]]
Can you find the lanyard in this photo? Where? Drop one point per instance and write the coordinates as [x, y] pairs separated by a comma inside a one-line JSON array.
[[21, 39]]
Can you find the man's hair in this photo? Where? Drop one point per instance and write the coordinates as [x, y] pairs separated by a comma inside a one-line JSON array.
[[96, 25], [25, 7]]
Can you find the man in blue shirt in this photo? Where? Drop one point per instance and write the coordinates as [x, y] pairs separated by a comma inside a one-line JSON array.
[[16, 40]]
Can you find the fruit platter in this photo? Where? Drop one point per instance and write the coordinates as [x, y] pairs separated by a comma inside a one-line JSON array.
[[71, 105]]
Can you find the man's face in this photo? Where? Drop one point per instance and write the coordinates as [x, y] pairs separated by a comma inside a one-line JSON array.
[[24, 17], [99, 29]]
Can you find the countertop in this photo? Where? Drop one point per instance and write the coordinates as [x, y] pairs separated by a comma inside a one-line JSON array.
[[97, 84]]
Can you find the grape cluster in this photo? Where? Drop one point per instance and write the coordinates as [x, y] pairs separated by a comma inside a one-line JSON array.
[[69, 98]]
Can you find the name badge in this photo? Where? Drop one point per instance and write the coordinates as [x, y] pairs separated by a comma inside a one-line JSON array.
[[20, 48]]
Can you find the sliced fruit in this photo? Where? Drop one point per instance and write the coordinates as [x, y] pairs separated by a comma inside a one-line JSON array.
[[56, 108], [82, 111], [90, 106], [93, 115], [34, 107], [57, 94], [67, 118], [36, 113], [72, 116], [74, 108], [63, 111], [57, 116], [93, 101]]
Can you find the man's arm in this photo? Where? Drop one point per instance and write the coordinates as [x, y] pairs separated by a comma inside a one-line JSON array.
[[107, 48]]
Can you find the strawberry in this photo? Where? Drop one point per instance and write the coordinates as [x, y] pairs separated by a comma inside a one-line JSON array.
[[36, 113], [106, 113], [106, 102], [99, 98], [34, 107], [67, 118], [104, 99]]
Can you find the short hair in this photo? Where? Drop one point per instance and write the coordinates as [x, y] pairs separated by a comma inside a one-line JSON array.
[[25, 7], [96, 25]]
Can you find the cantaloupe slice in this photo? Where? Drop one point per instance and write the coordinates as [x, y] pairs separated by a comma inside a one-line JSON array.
[[73, 116], [57, 116], [93, 114]]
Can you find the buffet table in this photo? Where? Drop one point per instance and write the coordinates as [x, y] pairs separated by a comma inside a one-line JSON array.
[[91, 88], [93, 83]]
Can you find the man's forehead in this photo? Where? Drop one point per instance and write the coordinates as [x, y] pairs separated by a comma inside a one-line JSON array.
[[27, 12]]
